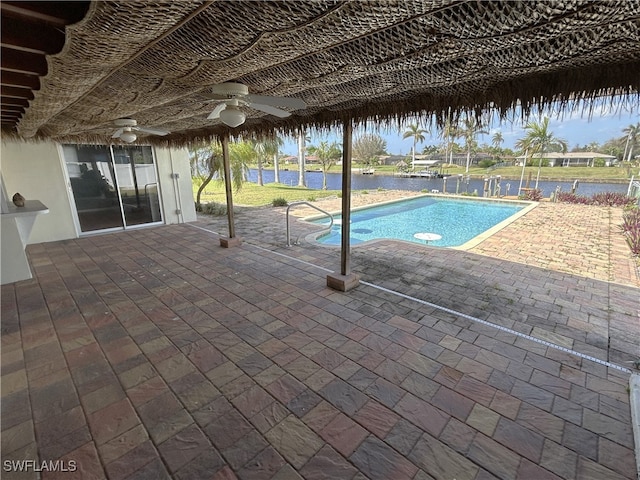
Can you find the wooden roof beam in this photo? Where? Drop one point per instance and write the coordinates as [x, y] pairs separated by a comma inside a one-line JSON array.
[[16, 79]]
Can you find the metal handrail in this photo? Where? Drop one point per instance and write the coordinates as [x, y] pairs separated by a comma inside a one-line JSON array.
[[302, 202]]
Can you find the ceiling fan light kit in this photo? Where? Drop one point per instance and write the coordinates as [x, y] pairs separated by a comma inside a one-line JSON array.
[[128, 137], [232, 116]]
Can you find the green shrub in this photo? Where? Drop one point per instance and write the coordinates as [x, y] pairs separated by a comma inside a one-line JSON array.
[[311, 198], [380, 189], [424, 190], [280, 202], [365, 192], [486, 163], [214, 208]]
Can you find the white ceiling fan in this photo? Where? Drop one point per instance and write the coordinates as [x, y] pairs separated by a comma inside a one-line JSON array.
[[232, 96], [127, 128]]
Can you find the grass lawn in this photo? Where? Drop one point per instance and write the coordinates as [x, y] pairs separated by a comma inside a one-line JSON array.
[[252, 194]]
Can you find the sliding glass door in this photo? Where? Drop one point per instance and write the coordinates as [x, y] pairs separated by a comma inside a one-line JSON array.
[[113, 188]]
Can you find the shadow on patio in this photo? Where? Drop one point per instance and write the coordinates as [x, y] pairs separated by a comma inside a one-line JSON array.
[[157, 354]]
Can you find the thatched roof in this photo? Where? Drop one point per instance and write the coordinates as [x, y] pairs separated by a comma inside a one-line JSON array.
[[375, 59]]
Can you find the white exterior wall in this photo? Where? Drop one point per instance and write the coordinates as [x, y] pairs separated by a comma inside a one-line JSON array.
[[36, 171], [177, 194]]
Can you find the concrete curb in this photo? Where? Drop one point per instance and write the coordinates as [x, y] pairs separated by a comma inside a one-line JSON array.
[[634, 385]]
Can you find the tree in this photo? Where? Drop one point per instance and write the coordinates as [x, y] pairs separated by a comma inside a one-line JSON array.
[[265, 149], [416, 134], [328, 154], [497, 139], [632, 141], [302, 139], [207, 163], [539, 141], [449, 133], [368, 147], [469, 131]]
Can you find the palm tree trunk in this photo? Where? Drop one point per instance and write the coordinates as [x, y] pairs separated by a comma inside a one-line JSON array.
[[301, 148], [276, 169], [260, 182], [413, 155]]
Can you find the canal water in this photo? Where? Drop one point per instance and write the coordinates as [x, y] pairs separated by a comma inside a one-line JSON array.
[[389, 182]]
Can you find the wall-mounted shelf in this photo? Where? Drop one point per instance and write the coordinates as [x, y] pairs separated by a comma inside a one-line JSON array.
[[17, 223]]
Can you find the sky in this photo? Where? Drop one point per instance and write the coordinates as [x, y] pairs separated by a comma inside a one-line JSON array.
[[576, 128]]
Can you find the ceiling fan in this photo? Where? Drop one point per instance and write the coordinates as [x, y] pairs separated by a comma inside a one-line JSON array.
[[232, 96], [127, 128]]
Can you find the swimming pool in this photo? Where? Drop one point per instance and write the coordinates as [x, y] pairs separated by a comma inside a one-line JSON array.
[[457, 221]]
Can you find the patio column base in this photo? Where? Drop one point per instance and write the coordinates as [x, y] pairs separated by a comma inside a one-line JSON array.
[[228, 242], [343, 283]]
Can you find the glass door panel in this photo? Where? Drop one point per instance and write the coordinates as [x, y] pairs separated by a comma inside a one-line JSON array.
[[93, 183], [138, 184]]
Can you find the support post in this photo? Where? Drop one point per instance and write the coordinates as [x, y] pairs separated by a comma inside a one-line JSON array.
[[345, 280], [231, 240]]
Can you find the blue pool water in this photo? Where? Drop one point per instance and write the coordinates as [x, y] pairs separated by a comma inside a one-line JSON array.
[[456, 220]]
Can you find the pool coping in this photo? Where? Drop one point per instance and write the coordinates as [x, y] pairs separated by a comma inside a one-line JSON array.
[[313, 237]]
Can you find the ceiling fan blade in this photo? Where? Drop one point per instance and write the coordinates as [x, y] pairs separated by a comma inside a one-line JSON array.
[[117, 133], [269, 109], [287, 102], [151, 131], [216, 111]]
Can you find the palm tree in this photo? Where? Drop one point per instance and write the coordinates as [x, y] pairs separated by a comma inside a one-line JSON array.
[[469, 131], [209, 164], [302, 139], [497, 139], [632, 139], [449, 133], [265, 149], [539, 141], [416, 133], [328, 154]]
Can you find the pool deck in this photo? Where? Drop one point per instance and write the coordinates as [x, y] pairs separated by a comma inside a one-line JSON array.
[[155, 353]]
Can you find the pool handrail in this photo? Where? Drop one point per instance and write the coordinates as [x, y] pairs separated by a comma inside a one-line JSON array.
[[302, 202]]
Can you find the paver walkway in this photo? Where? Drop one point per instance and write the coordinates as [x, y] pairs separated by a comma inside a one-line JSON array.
[[157, 354]]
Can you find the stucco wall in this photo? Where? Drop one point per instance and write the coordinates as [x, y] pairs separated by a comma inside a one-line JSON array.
[[177, 194], [36, 171]]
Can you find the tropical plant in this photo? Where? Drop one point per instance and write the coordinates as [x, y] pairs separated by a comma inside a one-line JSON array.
[[469, 130], [328, 154], [302, 140], [449, 133], [417, 135], [207, 164], [631, 140], [496, 140], [267, 148], [539, 141], [368, 147], [631, 228], [279, 202]]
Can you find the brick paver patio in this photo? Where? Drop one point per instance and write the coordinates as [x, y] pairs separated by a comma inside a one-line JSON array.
[[156, 353]]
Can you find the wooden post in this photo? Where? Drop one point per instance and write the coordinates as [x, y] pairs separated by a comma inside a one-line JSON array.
[[231, 240], [345, 280]]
